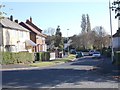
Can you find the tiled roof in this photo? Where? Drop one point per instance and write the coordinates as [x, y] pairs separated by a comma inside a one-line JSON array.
[[34, 26], [11, 24], [117, 34], [32, 29]]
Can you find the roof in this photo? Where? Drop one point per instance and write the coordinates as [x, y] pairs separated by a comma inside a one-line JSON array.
[[32, 29], [12, 25], [117, 34], [30, 43], [33, 25]]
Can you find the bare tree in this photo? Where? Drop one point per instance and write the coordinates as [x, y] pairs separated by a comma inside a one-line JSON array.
[[99, 37], [50, 31], [1, 12]]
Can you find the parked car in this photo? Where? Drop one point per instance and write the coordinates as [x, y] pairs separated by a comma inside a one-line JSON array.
[[79, 54], [91, 52], [96, 54], [73, 51]]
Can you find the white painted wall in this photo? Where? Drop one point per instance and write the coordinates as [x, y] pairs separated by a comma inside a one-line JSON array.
[[16, 38], [52, 56]]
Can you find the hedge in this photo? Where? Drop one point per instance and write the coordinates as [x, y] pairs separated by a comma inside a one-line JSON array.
[[117, 57], [14, 58], [42, 56]]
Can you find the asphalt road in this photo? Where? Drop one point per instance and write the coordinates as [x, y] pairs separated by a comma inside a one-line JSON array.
[[76, 74]]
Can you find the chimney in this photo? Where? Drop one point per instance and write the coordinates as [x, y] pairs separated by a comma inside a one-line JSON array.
[[11, 18], [16, 21], [30, 19]]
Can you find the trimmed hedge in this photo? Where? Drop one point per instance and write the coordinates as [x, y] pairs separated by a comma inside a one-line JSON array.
[[42, 56], [14, 58], [117, 57]]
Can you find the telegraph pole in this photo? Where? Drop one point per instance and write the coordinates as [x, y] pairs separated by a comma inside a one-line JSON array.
[[117, 12], [112, 54]]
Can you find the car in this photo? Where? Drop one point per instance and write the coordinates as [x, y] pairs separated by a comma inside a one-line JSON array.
[[91, 52], [79, 54], [96, 54], [72, 51]]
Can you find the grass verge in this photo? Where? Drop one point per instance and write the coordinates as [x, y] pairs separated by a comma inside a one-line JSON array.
[[54, 62]]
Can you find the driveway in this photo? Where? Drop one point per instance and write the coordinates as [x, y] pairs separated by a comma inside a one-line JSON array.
[[78, 74]]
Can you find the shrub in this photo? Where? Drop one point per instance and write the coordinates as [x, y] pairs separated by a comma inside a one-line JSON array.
[[47, 56], [42, 56], [7, 58], [13, 58], [117, 57], [24, 57]]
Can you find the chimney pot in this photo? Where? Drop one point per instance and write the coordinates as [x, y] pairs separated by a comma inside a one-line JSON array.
[[16, 21], [30, 19], [11, 18]]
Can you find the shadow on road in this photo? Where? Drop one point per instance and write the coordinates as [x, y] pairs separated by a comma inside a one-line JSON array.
[[49, 77], [104, 65]]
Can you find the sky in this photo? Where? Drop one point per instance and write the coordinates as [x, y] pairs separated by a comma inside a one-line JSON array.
[[66, 14]]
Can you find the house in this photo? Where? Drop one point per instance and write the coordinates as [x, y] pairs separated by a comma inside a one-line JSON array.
[[116, 40], [36, 35], [13, 36]]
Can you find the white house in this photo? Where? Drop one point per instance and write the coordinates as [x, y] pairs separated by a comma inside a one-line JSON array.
[[116, 40], [13, 36]]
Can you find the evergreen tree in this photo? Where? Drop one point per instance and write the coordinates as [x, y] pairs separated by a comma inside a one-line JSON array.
[[58, 38], [83, 23], [88, 25]]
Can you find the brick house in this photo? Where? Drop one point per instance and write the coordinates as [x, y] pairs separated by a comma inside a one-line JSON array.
[[36, 35]]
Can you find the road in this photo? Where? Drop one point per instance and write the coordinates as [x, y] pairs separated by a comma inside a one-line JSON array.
[[76, 74]]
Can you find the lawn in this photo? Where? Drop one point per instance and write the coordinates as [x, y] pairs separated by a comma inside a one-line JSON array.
[[54, 62]]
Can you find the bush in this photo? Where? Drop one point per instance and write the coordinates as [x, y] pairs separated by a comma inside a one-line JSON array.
[[47, 55], [7, 58], [24, 57], [13, 58], [117, 57], [43, 56]]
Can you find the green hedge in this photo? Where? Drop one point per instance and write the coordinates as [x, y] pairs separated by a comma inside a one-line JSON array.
[[21, 57], [117, 57], [42, 56]]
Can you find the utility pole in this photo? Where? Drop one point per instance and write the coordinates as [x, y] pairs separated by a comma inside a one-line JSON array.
[[117, 10], [112, 54]]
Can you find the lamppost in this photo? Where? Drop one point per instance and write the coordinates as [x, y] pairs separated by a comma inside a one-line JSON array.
[[117, 10]]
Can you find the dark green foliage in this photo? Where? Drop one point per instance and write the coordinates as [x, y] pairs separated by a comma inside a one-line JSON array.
[[88, 27], [83, 23], [117, 57], [47, 56], [21, 57], [58, 39], [42, 56], [106, 51]]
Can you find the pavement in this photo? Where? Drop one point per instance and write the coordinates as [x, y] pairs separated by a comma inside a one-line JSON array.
[[106, 67], [21, 66], [16, 67]]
